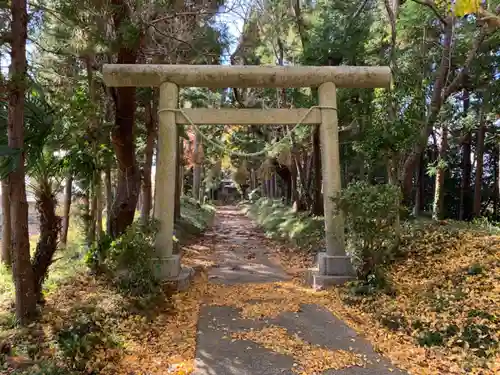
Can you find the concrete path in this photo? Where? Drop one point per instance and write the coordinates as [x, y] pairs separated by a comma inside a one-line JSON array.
[[242, 257]]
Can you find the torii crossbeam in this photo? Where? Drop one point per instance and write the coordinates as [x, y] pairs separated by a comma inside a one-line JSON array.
[[334, 265]]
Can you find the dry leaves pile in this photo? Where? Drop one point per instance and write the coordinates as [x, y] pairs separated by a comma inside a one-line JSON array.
[[310, 359], [442, 319], [444, 315], [115, 335], [198, 255], [170, 341]]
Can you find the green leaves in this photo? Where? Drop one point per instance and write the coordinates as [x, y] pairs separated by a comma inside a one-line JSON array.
[[371, 213], [130, 259]]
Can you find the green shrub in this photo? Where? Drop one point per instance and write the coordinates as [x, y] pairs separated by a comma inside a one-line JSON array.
[[6, 284], [481, 338], [97, 253], [81, 338], [372, 219], [475, 269], [431, 338], [195, 217], [130, 259]]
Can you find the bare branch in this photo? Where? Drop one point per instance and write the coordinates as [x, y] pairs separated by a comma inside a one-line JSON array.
[[176, 15], [359, 10]]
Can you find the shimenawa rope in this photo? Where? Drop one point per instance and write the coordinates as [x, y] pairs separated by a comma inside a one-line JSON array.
[[265, 150]]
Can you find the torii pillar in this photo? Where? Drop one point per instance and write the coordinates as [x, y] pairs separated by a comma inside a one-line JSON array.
[[334, 265]]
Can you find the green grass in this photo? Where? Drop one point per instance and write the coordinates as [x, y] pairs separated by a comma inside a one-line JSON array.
[[6, 285], [282, 222], [68, 262], [195, 218]]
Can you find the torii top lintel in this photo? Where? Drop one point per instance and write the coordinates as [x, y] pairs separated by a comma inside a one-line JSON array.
[[222, 76]]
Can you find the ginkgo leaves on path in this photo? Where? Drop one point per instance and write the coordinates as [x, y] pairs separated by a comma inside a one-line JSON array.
[[310, 359]]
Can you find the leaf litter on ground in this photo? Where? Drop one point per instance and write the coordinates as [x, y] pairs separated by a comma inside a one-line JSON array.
[[316, 359], [447, 279]]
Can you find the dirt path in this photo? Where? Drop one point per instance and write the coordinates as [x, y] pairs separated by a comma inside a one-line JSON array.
[[255, 321], [240, 256]]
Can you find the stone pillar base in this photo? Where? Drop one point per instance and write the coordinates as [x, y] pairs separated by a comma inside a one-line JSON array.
[[167, 267], [335, 265], [182, 281], [169, 270], [320, 282], [330, 271]]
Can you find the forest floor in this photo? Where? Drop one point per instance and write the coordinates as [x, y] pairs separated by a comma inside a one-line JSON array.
[[248, 312]]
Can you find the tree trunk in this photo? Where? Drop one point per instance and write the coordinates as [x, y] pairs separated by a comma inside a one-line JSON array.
[[498, 173], [178, 184], [68, 189], [438, 206], [6, 258], [93, 134], [86, 215], [123, 210], [277, 189], [122, 136], [464, 212], [496, 180], [147, 194], [420, 192], [98, 215], [478, 183], [197, 165], [293, 184], [253, 179], [317, 205], [91, 234], [439, 94], [21, 262], [50, 226], [109, 197]]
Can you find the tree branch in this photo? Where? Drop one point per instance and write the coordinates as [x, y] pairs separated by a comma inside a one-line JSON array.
[[180, 14], [432, 6], [359, 10], [492, 19], [458, 80]]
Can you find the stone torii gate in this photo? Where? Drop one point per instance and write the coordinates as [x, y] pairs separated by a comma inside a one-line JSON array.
[[334, 265]]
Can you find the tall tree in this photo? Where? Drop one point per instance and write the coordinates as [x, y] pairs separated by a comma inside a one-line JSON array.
[[122, 137], [22, 270]]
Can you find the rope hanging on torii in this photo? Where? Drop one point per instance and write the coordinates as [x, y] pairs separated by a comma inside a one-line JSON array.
[[265, 151]]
